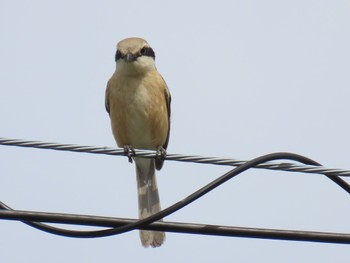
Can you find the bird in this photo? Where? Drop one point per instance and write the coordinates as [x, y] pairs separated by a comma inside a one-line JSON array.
[[138, 102]]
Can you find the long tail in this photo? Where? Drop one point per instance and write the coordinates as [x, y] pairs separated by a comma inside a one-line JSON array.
[[148, 197]]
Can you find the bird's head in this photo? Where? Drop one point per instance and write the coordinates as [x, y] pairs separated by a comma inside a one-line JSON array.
[[134, 56]]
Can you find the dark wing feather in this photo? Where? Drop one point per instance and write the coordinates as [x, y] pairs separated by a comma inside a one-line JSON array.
[[160, 161], [107, 98], [168, 102]]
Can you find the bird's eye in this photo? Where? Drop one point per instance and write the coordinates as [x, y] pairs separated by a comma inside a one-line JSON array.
[[147, 51], [118, 55], [143, 51]]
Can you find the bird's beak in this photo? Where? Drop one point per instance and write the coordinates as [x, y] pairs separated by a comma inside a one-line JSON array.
[[129, 57]]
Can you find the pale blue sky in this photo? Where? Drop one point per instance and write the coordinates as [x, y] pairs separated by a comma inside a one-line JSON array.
[[247, 78]]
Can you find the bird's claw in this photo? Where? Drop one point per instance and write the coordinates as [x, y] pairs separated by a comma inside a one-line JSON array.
[[160, 157], [129, 151]]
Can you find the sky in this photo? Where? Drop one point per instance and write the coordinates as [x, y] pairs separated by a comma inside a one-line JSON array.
[[247, 78]]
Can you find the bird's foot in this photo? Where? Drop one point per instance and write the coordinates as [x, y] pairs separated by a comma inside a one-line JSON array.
[[129, 151], [160, 157]]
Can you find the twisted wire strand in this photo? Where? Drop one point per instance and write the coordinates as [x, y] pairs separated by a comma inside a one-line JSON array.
[[290, 167]]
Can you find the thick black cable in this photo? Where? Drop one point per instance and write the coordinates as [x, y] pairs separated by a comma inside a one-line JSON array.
[[204, 190], [177, 227], [44, 227]]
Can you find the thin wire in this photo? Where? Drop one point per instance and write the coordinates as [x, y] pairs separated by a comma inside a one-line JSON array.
[[290, 167], [177, 227]]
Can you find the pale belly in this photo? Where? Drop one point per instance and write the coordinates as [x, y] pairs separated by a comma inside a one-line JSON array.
[[139, 118], [138, 128]]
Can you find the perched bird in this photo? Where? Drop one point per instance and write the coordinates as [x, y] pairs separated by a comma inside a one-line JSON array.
[[138, 103]]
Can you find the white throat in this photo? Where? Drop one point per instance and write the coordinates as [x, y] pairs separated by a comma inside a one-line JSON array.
[[140, 66]]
